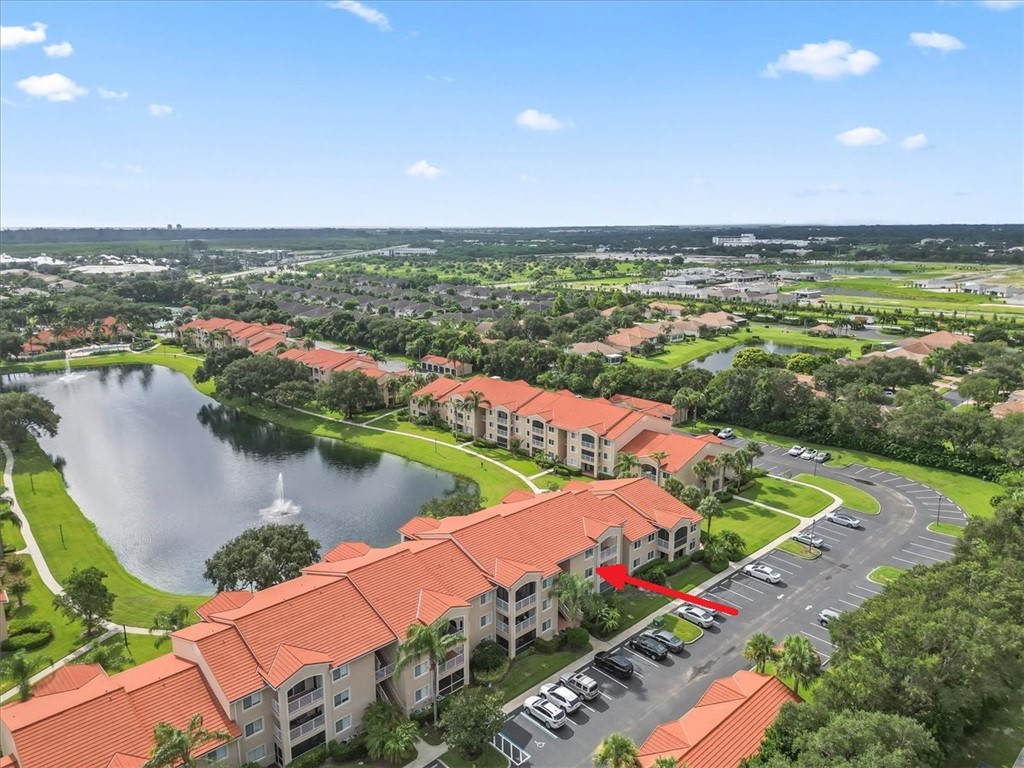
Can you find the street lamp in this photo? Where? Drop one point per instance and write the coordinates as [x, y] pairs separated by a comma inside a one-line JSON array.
[[938, 508]]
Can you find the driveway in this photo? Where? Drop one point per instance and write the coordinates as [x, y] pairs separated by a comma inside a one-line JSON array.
[[662, 691]]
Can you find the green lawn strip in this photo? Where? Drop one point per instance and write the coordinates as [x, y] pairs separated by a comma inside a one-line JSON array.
[[521, 464], [686, 352], [690, 577], [972, 493], [681, 628], [997, 741], [491, 758], [800, 550], [11, 535], [441, 435], [48, 507], [141, 648], [806, 692], [947, 529], [885, 574], [638, 604], [756, 525], [853, 498], [790, 497], [529, 670], [799, 338]]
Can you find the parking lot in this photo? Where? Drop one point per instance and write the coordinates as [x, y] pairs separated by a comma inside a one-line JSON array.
[[662, 691]]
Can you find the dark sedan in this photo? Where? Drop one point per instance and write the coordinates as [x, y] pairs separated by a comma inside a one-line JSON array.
[[648, 646], [614, 664], [666, 638]]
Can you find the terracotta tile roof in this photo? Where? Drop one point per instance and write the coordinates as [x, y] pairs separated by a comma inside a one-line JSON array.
[[1002, 410], [289, 659], [223, 601], [588, 347], [7, 762], [438, 360], [651, 407], [345, 550], [724, 727], [516, 495], [417, 525], [230, 661], [121, 760], [438, 389], [681, 448], [68, 678], [945, 339], [88, 726], [630, 337]]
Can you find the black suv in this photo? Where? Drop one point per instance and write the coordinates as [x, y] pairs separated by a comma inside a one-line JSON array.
[[614, 664], [648, 646]]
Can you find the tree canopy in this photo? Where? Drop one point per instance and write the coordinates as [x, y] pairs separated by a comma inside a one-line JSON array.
[[25, 413], [261, 557], [86, 597]]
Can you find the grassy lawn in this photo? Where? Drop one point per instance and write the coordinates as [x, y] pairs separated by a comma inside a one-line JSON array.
[[638, 604], [853, 498], [947, 528], [885, 574], [407, 427], [491, 758], [998, 741], [141, 648], [806, 693], [681, 628], [529, 670], [973, 494], [800, 550], [682, 353], [756, 525], [46, 503], [690, 577], [787, 496]]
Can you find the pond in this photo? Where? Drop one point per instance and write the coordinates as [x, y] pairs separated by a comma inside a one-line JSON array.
[[168, 474], [722, 360]]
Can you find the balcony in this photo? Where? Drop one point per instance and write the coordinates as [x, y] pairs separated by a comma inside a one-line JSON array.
[[502, 604], [525, 602], [453, 663], [502, 626], [275, 706], [301, 702], [277, 734], [526, 624], [383, 673], [607, 553], [307, 727]]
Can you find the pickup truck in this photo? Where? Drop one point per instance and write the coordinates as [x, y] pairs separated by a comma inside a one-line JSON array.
[[582, 684]]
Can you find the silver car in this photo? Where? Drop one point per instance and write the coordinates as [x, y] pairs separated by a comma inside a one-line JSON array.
[[808, 538], [796, 450], [809, 454], [762, 572], [702, 617], [826, 615], [561, 697], [841, 518], [543, 710]]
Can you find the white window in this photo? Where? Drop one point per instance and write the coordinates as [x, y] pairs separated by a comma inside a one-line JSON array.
[[589, 553], [339, 672], [485, 620], [256, 754], [650, 555], [251, 729], [220, 753], [693, 545], [340, 726], [546, 604], [650, 538], [485, 598], [546, 626], [637, 543], [340, 699], [421, 693], [421, 669], [551, 442], [588, 573], [636, 562], [548, 582], [252, 700]]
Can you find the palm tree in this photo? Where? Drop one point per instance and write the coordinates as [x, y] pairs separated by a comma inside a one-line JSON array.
[[389, 735], [732, 543], [666, 761], [616, 751], [753, 450], [760, 649], [574, 592], [166, 622], [19, 668], [626, 465], [515, 445], [730, 460], [432, 641], [709, 509], [400, 741], [18, 588], [111, 656], [799, 660], [174, 747], [687, 399], [659, 457], [7, 515], [704, 469]]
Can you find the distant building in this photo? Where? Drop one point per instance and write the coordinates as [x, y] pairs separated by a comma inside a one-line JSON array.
[[412, 251], [611, 355], [444, 366], [734, 240]]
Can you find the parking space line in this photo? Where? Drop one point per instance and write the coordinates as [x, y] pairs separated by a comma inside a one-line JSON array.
[[877, 474], [933, 549], [830, 535], [855, 605], [815, 637], [726, 589], [777, 555], [723, 600], [780, 568], [534, 721], [588, 706], [912, 562], [922, 554], [868, 589], [906, 485], [937, 541], [750, 587], [639, 656], [605, 674]]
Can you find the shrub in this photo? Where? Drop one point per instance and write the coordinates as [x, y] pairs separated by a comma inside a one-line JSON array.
[[27, 641], [541, 645], [402, 416], [353, 749], [697, 556], [574, 638], [312, 759], [575, 472], [487, 656], [723, 496], [678, 564], [480, 443], [24, 626]]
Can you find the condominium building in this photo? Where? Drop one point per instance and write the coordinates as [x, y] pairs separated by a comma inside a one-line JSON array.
[[258, 338], [293, 666]]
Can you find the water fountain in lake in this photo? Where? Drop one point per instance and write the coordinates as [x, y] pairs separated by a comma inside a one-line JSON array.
[[70, 375], [281, 507]]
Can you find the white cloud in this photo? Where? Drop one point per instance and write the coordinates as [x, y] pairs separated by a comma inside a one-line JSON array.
[[160, 110], [364, 12], [917, 141], [861, 137], [53, 87], [115, 95], [423, 170], [824, 61], [936, 40], [1001, 5], [540, 121], [12, 37], [58, 50]]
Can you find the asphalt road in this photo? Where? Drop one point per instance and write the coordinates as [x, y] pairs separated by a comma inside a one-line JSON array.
[[662, 691]]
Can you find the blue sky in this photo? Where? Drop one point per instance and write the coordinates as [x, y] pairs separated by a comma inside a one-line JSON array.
[[510, 114]]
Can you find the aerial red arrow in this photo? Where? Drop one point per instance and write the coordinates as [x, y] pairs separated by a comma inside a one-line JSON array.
[[617, 576]]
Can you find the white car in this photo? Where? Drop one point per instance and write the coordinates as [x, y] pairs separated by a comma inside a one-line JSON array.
[[544, 711], [762, 572], [561, 697], [726, 434], [702, 617], [796, 450], [841, 518], [809, 454]]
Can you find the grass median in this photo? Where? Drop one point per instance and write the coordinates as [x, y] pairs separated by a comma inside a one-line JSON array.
[[531, 668], [947, 529], [790, 497], [756, 525], [885, 574], [853, 498]]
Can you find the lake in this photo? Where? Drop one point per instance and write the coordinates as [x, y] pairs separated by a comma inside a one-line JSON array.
[[722, 360], [168, 474]]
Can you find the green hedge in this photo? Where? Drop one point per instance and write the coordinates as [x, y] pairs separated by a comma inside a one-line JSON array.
[[312, 759], [27, 635], [353, 749]]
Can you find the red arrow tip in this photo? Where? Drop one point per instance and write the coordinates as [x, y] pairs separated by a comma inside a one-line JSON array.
[[613, 574]]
